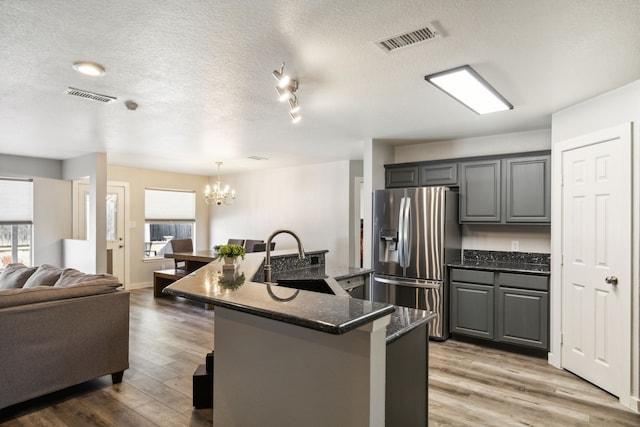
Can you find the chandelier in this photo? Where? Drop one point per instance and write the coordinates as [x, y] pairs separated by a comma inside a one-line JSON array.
[[221, 194]]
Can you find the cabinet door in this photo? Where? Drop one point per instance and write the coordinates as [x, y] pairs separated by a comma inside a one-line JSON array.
[[472, 310], [401, 176], [528, 189], [439, 174], [523, 317], [480, 191]]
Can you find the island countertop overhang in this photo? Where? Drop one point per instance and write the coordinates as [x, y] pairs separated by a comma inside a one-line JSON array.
[[326, 313]]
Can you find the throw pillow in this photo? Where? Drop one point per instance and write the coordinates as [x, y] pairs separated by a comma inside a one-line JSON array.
[[15, 275], [71, 276], [45, 275]]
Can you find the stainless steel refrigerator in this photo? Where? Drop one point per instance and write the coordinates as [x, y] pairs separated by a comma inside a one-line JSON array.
[[415, 234]]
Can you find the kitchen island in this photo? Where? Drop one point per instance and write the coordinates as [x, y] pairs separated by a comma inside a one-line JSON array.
[[296, 357]]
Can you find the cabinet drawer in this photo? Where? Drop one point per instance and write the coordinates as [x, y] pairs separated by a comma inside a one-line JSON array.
[[472, 276], [523, 281], [351, 282]]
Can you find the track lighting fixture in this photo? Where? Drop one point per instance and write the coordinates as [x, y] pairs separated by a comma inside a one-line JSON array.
[[286, 90]]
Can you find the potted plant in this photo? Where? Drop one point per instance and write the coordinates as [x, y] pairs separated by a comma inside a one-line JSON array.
[[229, 252]]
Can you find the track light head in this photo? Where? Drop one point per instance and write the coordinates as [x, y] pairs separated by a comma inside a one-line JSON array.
[[295, 118], [282, 78], [284, 94], [294, 107]]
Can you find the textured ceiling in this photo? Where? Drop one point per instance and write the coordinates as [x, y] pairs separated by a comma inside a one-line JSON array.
[[201, 73]]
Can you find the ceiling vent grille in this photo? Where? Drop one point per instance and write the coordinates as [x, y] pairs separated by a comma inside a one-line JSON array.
[[410, 38], [90, 95]]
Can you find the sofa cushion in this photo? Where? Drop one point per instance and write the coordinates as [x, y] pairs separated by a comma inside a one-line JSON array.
[[15, 275], [45, 275], [71, 276], [16, 297]]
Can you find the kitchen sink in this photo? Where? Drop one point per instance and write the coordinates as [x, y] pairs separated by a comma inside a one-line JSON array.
[[314, 285]]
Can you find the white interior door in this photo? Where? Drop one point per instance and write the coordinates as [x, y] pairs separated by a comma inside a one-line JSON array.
[[596, 253], [116, 232]]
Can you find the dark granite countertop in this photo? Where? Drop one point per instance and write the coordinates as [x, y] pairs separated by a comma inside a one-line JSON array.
[[334, 314], [405, 319], [513, 262], [510, 267], [323, 312]]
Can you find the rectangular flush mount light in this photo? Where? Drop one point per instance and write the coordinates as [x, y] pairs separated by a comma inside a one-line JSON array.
[[465, 85]]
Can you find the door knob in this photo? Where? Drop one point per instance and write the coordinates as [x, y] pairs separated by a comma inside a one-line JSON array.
[[612, 280], [120, 246]]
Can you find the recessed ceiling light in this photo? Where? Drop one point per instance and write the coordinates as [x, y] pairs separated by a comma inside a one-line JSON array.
[[89, 68], [466, 86]]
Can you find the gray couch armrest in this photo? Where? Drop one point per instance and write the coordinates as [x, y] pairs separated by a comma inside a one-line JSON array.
[[52, 345]]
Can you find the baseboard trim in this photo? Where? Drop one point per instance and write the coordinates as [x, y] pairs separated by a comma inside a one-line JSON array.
[[139, 285]]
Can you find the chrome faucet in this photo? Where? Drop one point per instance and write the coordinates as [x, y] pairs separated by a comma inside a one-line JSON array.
[[267, 262]]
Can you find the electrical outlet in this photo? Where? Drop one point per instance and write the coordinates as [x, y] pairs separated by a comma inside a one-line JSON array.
[[515, 245]]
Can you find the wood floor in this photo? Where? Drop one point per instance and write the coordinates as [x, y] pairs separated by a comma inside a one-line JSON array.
[[469, 384]]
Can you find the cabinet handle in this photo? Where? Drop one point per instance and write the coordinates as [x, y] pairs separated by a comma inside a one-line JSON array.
[[612, 280]]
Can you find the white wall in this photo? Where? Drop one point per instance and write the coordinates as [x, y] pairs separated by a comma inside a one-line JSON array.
[[487, 237], [141, 271], [311, 200], [51, 219], [470, 147], [610, 109]]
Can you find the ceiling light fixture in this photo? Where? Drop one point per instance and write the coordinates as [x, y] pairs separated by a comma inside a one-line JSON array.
[[89, 68], [469, 88], [286, 89], [220, 194]]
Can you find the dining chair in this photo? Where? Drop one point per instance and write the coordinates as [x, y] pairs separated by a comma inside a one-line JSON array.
[[249, 245], [181, 245], [239, 242]]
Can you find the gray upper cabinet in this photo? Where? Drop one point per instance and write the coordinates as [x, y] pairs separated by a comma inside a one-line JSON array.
[[401, 176], [510, 189], [480, 191], [528, 189], [513, 190], [439, 174]]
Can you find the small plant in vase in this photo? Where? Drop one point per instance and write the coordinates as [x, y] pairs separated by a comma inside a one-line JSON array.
[[229, 252]]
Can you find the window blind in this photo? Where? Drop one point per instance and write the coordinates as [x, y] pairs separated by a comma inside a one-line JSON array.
[[17, 201], [169, 205]]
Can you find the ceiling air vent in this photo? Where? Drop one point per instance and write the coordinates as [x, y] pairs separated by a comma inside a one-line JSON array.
[[90, 95], [407, 39]]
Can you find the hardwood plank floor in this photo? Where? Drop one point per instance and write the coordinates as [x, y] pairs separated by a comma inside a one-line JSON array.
[[469, 384]]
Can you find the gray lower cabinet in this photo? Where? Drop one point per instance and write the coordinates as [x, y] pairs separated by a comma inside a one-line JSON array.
[[523, 317], [472, 303], [505, 307], [472, 309]]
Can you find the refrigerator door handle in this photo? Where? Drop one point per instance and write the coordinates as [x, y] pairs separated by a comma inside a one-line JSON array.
[[408, 232], [426, 284], [401, 233]]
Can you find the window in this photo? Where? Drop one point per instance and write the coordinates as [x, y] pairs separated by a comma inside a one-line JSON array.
[[169, 214], [16, 219]]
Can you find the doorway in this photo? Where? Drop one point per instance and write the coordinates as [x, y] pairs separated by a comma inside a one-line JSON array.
[[596, 259], [116, 233]]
